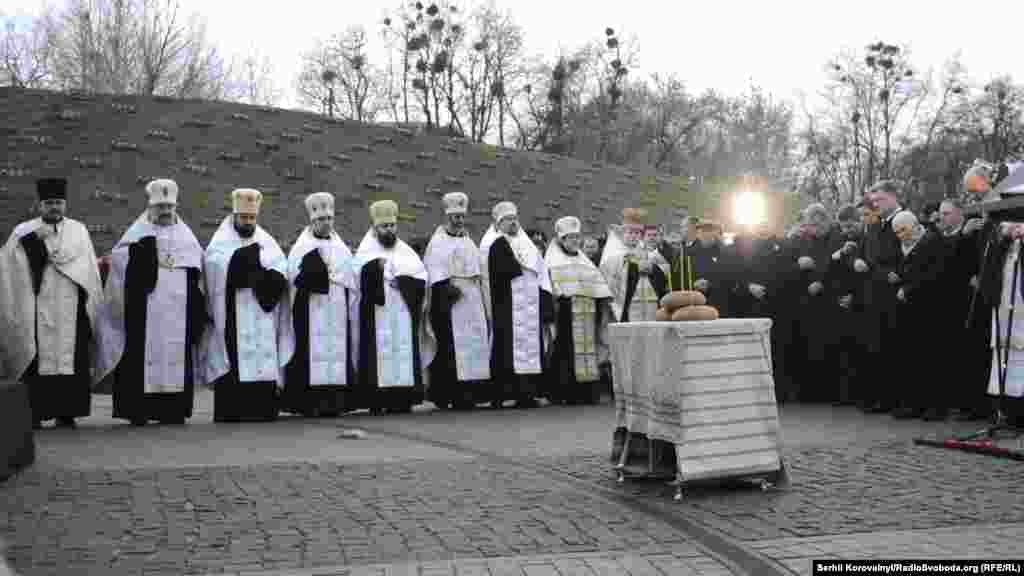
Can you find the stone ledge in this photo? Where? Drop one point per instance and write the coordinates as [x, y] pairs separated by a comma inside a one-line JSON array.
[[17, 442]]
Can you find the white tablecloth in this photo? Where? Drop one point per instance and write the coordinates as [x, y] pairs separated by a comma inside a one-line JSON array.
[[705, 387]]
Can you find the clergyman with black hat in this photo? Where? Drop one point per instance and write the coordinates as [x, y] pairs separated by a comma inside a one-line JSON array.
[[393, 345], [153, 318], [251, 340], [49, 291]]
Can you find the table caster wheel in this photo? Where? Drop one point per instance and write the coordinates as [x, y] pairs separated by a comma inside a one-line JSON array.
[[765, 485], [678, 497], [620, 478]]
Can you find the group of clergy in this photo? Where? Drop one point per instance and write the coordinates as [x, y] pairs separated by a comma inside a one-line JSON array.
[[319, 331]]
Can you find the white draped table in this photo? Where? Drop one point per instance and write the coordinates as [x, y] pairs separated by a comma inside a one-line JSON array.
[[695, 401]]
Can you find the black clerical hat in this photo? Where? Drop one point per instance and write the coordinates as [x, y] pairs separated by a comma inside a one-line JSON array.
[[52, 189]]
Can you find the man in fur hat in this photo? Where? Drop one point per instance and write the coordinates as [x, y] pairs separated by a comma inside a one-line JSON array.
[[580, 350], [637, 274], [392, 286], [49, 292], [250, 341], [457, 311], [521, 305], [322, 290], [151, 324]]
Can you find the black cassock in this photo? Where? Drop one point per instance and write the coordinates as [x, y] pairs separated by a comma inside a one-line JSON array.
[[247, 401], [58, 396], [445, 387], [130, 399], [564, 386], [368, 391], [298, 396], [503, 268]]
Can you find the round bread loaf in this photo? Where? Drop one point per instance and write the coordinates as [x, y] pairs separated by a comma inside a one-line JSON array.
[[682, 298], [695, 314], [662, 315]]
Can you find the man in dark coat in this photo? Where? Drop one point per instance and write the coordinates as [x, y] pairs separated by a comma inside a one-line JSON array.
[[847, 302], [809, 303], [713, 266], [921, 389], [881, 260]]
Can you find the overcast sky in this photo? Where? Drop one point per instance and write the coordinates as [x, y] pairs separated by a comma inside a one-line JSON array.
[[724, 44]]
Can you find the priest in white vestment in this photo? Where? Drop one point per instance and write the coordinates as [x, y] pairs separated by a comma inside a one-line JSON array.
[[637, 274], [392, 346], [580, 355], [522, 309], [322, 290], [151, 323], [49, 291], [457, 311], [251, 339]]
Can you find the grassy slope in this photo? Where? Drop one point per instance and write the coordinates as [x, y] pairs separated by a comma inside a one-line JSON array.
[[359, 163]]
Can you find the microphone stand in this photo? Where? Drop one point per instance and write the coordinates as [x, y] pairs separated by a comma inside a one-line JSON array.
[[981, 269], [1003, 347]]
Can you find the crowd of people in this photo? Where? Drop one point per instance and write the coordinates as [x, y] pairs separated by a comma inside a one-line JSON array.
[[871, 306]]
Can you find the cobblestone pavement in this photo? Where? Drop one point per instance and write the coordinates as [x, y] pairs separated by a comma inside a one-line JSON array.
[[487, 492], [995, 541], [681, 563], [203, 520], [891, 485]]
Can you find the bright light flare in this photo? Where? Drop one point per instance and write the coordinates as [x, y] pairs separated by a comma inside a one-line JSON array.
[[749, 208]]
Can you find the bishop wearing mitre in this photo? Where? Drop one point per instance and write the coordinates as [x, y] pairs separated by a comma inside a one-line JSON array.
[[523, 310], [392, 347], [250, 341], [150, 326], [457, 311], [321, 289]]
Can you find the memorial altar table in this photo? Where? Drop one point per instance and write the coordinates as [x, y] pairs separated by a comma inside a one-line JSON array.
[[695, 401]]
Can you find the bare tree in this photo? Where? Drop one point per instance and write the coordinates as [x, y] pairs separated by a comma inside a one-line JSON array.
[[26, 51], [674, 120], [337, 77], [135, 46], [318, 78], [253, 81]]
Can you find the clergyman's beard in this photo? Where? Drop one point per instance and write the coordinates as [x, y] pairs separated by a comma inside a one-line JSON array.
[[456, 231], [387, 240], [568, 251], [245, 230], [322, 233], [52, 217]]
